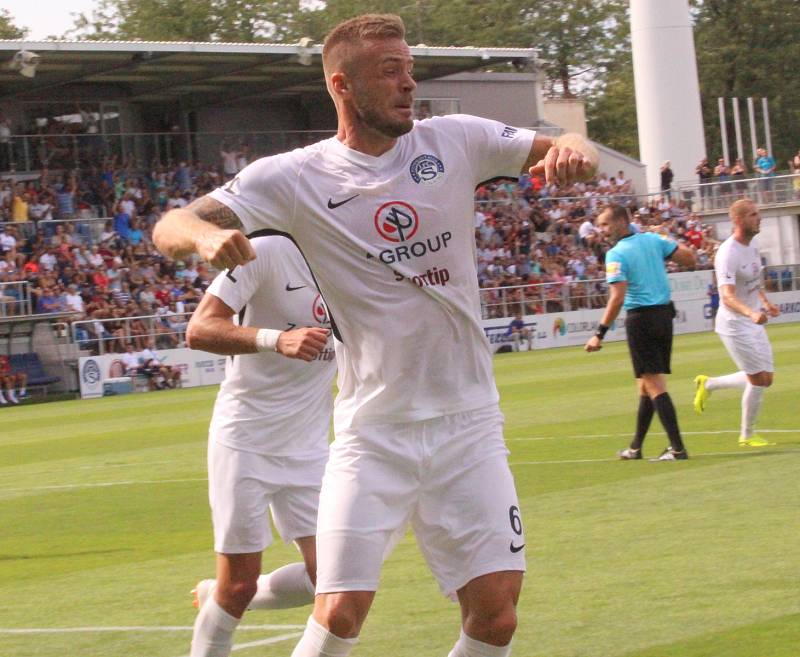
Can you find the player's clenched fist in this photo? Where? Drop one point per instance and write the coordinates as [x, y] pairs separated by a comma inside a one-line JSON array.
[[224, 248], [570, 158], [303, 343]]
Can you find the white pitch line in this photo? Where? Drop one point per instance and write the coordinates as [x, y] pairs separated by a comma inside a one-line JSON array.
[[661, 433], [693, 456], [133, 628], [264, 642], [104, 484]]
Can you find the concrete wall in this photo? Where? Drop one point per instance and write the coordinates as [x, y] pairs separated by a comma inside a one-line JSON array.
[[779, 240], [567, 113], [513, 98]]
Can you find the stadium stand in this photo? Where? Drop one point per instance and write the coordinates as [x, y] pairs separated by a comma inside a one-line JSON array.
[[78, 243]]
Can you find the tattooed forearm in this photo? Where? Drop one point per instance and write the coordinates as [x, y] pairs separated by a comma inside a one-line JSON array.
[[215, 212]]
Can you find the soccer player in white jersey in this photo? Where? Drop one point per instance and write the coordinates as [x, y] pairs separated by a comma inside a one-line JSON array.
[[268, 439], [384, 214], [740, 321]]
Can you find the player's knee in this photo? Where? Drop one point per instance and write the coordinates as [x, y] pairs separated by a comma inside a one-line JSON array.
[[340, 616], [237, 594], [495, 626]]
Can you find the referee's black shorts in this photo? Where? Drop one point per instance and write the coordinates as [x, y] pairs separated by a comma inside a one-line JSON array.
[[649, 330]]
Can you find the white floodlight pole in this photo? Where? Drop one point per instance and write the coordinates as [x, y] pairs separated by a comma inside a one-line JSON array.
[[752, 115], [767, 135], [668, 108], [737, 124], [723, 131]]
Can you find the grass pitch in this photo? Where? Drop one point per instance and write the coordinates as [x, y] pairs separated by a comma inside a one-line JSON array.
[[105, 524]]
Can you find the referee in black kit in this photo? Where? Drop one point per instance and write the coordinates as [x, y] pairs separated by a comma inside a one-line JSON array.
[[638, 282]]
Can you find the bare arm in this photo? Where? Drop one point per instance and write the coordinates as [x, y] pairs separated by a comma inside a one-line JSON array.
[[684, 256], [211, 329], [731, 301], [562, 159], [616, 296], [206, 227], [770, 307]]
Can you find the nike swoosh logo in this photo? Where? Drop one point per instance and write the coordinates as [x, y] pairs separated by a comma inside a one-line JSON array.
[[333, 206], [289, 287], [514, 548]]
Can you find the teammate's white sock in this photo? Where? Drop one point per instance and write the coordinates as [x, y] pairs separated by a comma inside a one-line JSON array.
[[23, 392], [12, 397], [751, 404], [2, 399], [469, 647], [288, 586], [213, 631], [737, 380], [318, 642]]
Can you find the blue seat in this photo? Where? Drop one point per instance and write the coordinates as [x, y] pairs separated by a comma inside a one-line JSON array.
[[32, 366]]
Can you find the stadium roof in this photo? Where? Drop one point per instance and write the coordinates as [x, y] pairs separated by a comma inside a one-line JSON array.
[[199, 73]]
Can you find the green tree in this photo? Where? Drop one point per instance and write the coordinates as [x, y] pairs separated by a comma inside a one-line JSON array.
[[750, 49], [7, 28], [611, 109]]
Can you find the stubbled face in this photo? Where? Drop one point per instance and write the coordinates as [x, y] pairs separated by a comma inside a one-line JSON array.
[[382, 86], [611, 230], [749, 220]]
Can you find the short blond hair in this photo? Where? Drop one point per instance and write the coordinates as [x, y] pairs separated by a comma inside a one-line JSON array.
[[367, 27], [740, 208]]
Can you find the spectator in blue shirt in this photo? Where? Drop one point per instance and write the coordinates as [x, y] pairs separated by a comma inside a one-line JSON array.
[[765, 168]]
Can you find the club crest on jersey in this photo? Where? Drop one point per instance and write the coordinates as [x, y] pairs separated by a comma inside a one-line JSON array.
[[396, 221], [427, 170], [319, 310]]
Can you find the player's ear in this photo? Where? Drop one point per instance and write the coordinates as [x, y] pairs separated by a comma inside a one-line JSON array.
[[340, 83]]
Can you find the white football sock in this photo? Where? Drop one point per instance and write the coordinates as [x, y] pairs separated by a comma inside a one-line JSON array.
[[213, 631], [2, 398], [288, 586], [319, 642], [737, 380], [751, 404], [469, 647], [12, 397]]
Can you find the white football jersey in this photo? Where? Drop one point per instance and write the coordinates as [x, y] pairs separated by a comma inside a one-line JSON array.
[[391, 242], [269, 403], [738, 265]]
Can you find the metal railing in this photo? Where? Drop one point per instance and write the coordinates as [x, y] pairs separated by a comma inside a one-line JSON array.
[[718, 195], [89, 229], [15, 299], [67, 150], [538, 298], [109, 335], [781, 278]]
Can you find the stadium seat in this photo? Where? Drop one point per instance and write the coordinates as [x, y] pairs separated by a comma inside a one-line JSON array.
[[32, 366]]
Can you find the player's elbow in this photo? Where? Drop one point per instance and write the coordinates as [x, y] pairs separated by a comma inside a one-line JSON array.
[[194, 336]]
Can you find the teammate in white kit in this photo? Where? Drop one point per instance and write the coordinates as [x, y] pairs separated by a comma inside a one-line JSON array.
[[268, 439], [383, 212], [740, 321]]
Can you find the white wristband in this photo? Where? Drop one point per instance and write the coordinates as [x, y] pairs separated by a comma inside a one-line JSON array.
[[267, 339]]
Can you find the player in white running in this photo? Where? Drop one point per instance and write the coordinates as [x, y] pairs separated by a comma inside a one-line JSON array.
[[268, 439], [740, 321], [384, 213]]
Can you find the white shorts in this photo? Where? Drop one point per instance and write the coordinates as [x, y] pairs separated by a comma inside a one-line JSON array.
[[751, 352], [243, 487], [448, 476]]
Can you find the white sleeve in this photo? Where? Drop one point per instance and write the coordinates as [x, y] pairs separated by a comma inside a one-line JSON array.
[[236, 286], [494, 149], [263, 194], [725, 266]]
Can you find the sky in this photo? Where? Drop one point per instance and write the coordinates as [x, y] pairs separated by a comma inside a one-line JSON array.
[[45, 17]]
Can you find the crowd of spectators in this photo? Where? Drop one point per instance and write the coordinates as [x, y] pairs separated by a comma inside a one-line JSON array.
[[526, 232]]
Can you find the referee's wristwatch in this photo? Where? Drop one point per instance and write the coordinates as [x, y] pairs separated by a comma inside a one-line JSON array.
[[602, 329]]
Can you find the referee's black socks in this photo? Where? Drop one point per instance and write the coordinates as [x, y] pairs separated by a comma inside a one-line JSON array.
[[668, 417], [643, 418]]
